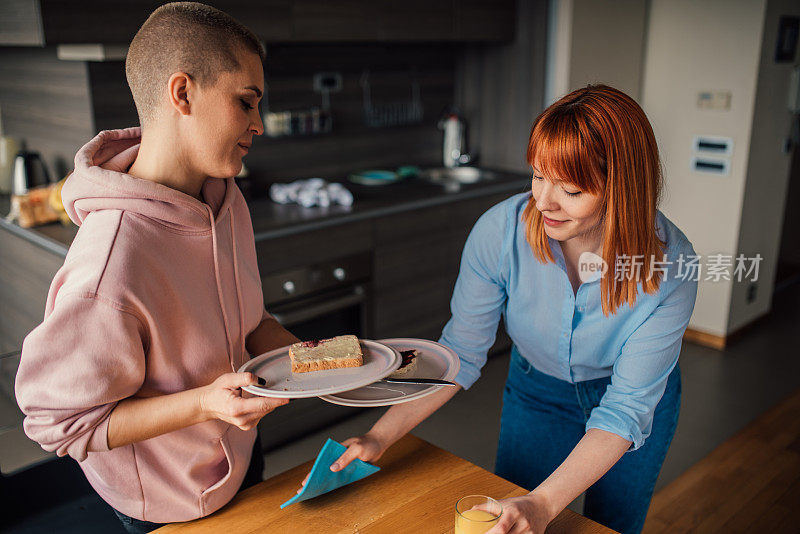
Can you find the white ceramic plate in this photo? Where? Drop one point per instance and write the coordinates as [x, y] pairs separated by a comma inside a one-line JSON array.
[[276, 368], [433, 361]]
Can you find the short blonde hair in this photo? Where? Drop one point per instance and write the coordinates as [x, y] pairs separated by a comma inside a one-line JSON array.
[[189, 37]]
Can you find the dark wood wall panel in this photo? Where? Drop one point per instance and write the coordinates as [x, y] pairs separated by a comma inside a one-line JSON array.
[[375, 20], [351, 145], [56, 106], [296, 21], [492, 21], [82, 21], [112, 102], [20, 23], [501, 89], [336, 156], [45, 102], [431, 21], [71, 21]]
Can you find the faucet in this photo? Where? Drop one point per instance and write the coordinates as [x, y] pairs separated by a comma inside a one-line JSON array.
[[454, 145]]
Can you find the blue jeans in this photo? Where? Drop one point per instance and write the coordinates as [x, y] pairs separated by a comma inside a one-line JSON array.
[[544, 418], [253, 476]]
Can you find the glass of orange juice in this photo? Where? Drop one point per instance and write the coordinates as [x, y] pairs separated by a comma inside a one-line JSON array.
[[475, 514]]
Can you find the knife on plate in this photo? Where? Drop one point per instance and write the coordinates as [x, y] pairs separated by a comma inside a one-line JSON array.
[[422, 381]]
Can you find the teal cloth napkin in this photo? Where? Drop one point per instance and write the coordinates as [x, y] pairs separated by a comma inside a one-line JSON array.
[[322, 479]]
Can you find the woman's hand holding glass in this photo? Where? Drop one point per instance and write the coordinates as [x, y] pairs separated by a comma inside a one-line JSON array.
[[529, 514]]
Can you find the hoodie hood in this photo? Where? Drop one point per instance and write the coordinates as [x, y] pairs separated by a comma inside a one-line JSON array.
[[100, 181]]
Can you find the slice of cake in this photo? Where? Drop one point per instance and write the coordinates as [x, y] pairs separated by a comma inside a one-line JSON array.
[[322, 354], [408, 365]]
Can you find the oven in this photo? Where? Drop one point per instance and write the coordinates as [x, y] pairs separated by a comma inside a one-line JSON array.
[[321, 300], [317, 301]]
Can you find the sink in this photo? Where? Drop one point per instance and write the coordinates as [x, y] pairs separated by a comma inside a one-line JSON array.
[[456, 176]]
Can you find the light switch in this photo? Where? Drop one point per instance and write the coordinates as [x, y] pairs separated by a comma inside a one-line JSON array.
[[709, 144]]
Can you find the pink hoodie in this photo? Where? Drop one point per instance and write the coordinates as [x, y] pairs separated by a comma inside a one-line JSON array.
[[157, 294]]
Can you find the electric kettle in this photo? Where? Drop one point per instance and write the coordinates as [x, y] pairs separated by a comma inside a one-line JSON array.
[[29, 172]]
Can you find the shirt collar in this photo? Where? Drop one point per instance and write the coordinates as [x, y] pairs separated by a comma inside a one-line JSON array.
[[558, 256]]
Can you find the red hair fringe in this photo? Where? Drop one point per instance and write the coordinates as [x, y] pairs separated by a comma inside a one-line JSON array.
[[599, 139]]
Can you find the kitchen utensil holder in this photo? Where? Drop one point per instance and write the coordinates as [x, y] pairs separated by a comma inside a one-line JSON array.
[[312, 120], [297, 122], [391, 113]]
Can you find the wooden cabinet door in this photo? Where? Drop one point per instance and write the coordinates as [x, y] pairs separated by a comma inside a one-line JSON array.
[[275, 21], [298, 250], [89, 21], [26, 271], [411, 286], [479, 20], [416, 261]]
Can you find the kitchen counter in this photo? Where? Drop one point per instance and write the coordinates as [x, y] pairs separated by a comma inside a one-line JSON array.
[[271, 220], [54, 237], [415, 491]]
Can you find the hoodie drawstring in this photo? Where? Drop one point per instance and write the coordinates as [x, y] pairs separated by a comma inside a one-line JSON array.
[[237, 284], [219, 286]]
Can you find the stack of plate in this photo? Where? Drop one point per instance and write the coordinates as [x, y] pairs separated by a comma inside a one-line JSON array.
[[356, 386]]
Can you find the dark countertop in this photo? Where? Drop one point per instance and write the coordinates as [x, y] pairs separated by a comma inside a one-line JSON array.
[[271, 220]]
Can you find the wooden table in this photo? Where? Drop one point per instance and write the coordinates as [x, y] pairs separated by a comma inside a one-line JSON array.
[[415, 491]]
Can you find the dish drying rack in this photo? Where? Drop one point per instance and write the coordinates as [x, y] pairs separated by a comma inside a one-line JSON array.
[[305, 121], [391, 113]]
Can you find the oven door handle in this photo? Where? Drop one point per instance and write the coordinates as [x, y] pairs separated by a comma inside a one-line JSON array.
[[289, 318]]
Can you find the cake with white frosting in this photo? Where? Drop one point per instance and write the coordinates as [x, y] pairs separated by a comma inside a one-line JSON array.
[[323, 354]]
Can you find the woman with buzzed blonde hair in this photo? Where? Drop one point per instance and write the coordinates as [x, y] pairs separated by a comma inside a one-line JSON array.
[[584, 270], [133, 371]]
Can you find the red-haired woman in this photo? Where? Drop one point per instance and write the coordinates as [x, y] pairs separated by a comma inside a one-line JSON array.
[[593, 392]]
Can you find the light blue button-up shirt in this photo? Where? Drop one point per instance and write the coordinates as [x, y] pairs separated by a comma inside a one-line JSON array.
[[563, 333]]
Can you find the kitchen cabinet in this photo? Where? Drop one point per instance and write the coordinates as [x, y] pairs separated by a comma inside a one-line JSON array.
[[484, 21], [49, 22], [410, 276], [314, 246], [416, 261], [376, 20], [26, 271]]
